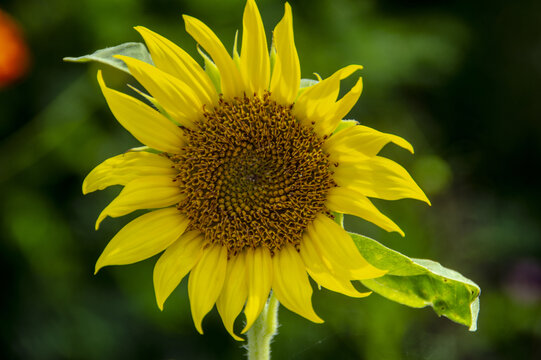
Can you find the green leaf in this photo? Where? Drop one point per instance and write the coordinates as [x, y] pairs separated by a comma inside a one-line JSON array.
[[419, 283], [305, 83], [344, 124], [338, 218], [105, 56]]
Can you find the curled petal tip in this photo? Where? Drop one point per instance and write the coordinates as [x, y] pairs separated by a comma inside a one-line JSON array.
[[97, 267], [100, 219], [199, 328], [235, 336]]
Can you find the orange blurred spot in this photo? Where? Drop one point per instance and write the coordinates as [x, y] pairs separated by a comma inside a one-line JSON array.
[[14, 56]]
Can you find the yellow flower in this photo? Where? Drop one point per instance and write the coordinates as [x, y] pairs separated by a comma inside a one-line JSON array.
[[245, 174]]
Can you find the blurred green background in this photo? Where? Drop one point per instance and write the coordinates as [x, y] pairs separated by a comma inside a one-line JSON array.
[[458, 79]]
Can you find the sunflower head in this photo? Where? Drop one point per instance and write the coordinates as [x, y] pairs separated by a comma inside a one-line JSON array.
[[243, 172]]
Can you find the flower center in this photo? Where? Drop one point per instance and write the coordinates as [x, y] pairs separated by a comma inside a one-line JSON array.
[[252, 175]]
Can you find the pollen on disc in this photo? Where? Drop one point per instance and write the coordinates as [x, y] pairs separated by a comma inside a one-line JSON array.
[[252, 175]]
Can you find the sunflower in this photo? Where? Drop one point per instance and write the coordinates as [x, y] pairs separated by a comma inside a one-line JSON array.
[[244, 170]]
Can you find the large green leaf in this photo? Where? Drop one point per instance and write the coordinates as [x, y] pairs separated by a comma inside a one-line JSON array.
[[105, 56], [419, 283]]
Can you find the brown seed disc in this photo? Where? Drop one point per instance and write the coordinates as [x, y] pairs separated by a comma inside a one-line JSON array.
[[252, 175]]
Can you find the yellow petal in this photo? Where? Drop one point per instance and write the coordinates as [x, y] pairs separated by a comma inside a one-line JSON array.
[[290, 283], [286, 75], [234, 293], [173, 60], [323, 94], [231, 79], [347, 201], [335, 279], [123, 168], [363, 139], [154, 103], [337, 249], [143, 237], [145, 124], [254, 57], [334, 114], [315, 105], [342, 156], [378, 177], [147, 192], [259, 277], [176, 97], [206, 282], [175, 263]]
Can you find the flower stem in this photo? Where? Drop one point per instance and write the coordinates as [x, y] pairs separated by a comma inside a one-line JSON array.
[[263, 330]]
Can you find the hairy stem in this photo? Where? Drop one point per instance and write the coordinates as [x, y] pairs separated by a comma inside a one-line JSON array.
[[263, 330]]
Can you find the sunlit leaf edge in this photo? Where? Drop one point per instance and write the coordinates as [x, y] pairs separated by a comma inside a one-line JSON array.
[[105, 56], [419, 283]]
